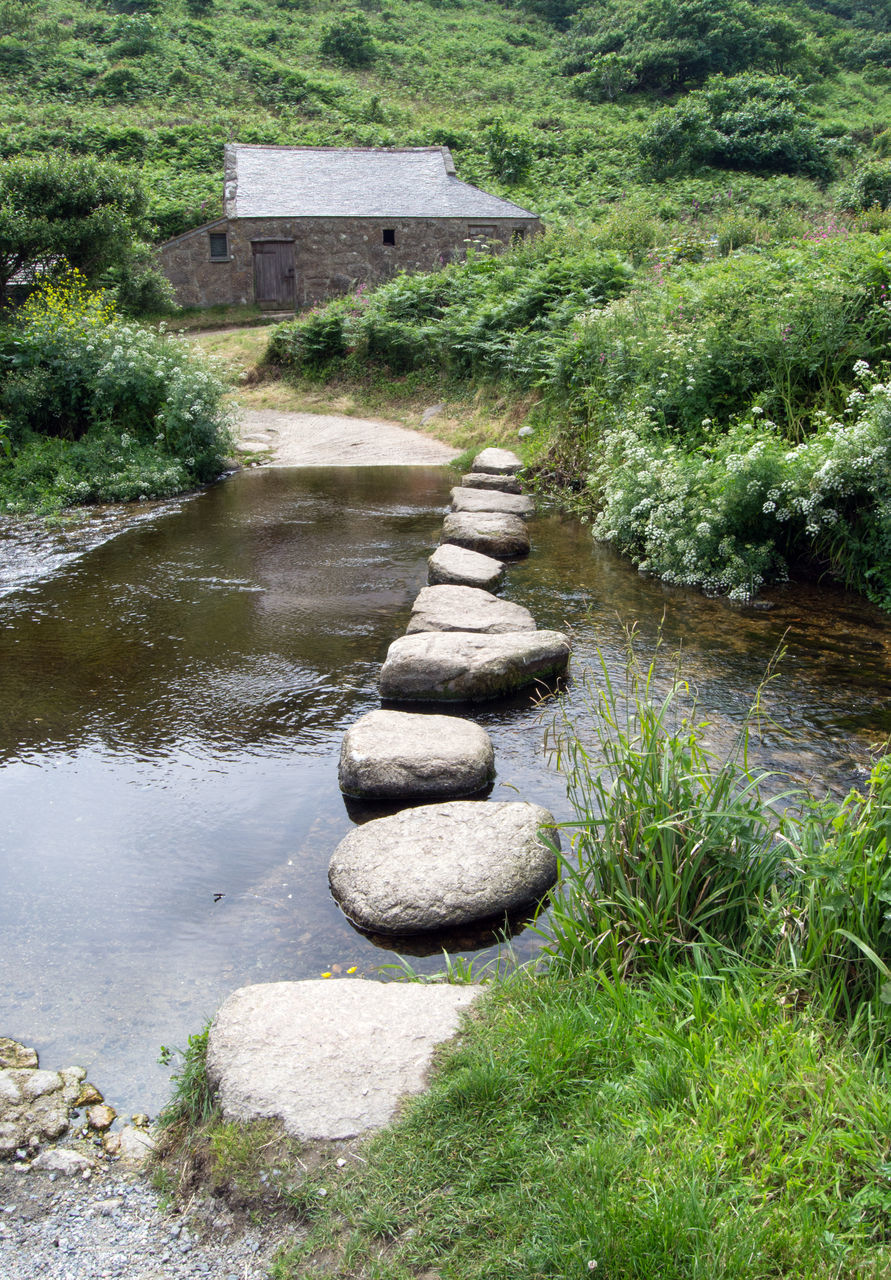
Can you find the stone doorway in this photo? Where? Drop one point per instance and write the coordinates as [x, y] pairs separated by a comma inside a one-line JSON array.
[[274, 273]]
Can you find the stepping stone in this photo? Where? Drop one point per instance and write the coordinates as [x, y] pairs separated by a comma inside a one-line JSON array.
[[451, 608], [490, 532], [460, 666], [329, 1058], [486, 480], [394, 755], [498, 462], [456, 566], [511, 504], [443, 865]]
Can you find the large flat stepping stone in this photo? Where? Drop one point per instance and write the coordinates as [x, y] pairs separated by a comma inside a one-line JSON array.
[[395, 755], [456, 566], [443, 865], [330, 1059], [499, 462], [450, 608], [460, 666], [511, 504], [486, 480], [491, 532]]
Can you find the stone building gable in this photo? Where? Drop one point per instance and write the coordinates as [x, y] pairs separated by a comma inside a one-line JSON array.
[[284, 259]]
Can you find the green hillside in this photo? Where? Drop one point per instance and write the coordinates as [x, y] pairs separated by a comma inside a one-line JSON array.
[[545, 100]]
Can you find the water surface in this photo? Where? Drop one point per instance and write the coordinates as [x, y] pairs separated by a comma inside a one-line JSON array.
[[172, 700]]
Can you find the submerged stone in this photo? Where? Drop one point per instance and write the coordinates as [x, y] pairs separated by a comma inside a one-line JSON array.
[[330, 1059], [456, 566], [499, 462], [486, 480], [443, 865], [512, 504], [452, 608], [397, 755], [491, 532], [461, 666]]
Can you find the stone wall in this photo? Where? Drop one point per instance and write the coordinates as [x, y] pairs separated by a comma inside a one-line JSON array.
[[332, 255]]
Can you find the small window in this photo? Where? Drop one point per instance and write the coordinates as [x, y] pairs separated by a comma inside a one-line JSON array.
[[389, 235], [518, 235], [219, 246], [481, 231]]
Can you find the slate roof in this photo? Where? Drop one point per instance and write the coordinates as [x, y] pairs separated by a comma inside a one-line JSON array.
[[353, 182]]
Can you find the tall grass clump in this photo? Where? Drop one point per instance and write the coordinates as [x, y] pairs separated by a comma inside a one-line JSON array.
[[678, 859], [98, 409], [674, 853], [842, 933]]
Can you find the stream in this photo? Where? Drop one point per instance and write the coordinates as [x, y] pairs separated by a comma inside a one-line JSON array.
[[174, 687]]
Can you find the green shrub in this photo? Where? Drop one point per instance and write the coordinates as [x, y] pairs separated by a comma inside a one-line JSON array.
[[667, 45], [311, 342], [781, 329], [754, 122], [509, 152], [100, 409], [347, 39], [495, 315], [869, 186], [64, 207]]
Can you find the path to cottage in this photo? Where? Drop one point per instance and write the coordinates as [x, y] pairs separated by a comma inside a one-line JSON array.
[[272, 438]]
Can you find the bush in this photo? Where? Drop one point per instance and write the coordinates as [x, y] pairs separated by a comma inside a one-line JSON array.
[[750, 122], [736, 512], [667, 45], [497, 316], [312, 342], [509, 152], [64, 207], [145, 415], [869, 186], [348, 40]]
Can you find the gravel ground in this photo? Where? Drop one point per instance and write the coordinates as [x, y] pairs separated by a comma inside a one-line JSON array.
[[59, 1227]]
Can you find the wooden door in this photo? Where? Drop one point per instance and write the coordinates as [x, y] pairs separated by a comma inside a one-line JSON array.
[[274, 273]]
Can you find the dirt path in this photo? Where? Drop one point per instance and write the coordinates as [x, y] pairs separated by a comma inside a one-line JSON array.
[[333, 440]]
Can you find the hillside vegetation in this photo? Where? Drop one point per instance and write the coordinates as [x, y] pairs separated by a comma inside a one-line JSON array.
[[544, 100]]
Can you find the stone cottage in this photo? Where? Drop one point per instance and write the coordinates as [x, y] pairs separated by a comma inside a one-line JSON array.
[[304, 223]]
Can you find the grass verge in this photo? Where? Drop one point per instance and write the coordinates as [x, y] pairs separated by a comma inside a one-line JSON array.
[[699, 1127]]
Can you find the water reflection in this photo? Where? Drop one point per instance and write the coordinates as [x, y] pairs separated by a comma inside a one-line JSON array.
[[172, 707]]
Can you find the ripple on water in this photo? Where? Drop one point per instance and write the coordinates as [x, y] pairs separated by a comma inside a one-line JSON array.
[[173, 691]]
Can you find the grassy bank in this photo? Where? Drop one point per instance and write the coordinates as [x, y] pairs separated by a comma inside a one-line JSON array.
[[696, 1127], [718, 413], [690, 1082]]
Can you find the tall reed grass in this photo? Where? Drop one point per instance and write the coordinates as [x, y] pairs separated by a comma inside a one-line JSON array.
[[678, 858]]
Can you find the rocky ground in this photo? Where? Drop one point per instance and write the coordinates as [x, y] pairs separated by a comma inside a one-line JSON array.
[[76, 1201], [66, 1227]]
